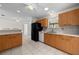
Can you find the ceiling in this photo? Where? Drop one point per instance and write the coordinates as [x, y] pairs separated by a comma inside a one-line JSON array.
[[38, 8]]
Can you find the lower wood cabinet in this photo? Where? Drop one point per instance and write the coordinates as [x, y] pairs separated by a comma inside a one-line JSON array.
[[65, 43], [10, 41]]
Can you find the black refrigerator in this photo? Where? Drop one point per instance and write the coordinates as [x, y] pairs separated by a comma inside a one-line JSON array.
[[35, 28]]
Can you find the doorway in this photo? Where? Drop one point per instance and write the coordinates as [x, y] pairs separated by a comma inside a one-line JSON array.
[[25, 30]]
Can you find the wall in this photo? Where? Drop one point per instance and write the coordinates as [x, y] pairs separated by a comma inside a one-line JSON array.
[[67, 30], [11, 24], [9, 21]]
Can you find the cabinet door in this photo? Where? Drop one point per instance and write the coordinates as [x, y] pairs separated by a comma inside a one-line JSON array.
[[73, 16], [15, 40], [44, 22], [65, 43], [63, 20], [75, 45], [1, 43], [10, 41], [59, 42], [69, 18], [72, 46], [50, 39], [54, 40], [4, 42]]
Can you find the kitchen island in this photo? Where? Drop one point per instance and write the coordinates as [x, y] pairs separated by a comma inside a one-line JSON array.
[[66, 42], [10, 39]]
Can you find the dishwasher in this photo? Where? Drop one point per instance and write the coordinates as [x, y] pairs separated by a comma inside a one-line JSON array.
[[41, 36]]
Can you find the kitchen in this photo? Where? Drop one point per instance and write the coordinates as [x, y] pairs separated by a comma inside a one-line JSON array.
[[60, 28]]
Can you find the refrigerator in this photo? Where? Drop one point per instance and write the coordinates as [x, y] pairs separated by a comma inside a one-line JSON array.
[[36, 28]]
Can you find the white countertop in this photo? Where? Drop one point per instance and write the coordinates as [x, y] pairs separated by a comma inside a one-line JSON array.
[[4, 32], [63, 34]]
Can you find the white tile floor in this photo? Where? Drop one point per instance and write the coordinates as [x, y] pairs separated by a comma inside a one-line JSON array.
[[30, 47]]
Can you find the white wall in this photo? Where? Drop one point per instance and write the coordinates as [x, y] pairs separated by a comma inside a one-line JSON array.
[[6, 23], [71, 29], [9, 21]]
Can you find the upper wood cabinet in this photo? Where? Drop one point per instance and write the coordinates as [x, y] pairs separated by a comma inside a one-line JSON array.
[[69, 18], [44, 22]]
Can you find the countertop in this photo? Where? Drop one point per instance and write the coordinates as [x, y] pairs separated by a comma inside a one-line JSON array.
[[63, 34], [4, 32]]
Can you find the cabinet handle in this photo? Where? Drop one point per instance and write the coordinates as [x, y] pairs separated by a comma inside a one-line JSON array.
[[66, 39]]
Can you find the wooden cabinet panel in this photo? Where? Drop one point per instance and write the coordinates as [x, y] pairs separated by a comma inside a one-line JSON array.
[[69, 18], [4, 43], [10, 41], [63, 20], [14, 40], [1, 43], [44, 22], [65, 43], [72, 44], [50, 38], [53, 40]]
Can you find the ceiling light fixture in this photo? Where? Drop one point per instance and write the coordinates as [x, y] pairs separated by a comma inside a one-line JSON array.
[[17, 20], [46, 9], [18, 11], [30, 7]]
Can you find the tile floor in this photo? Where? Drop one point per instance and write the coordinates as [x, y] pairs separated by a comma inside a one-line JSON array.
[[30, 47]]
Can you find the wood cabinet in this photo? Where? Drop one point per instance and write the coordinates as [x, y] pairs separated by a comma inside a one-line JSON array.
[[44, 22], [65, 43], [51, 39], [10, 41], [71, 44], [69, 18]]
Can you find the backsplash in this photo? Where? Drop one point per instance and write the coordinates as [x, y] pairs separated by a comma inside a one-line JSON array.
[[71, 29], [66, 30]]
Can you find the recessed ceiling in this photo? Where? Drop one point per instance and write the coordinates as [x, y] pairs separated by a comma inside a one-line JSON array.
[[38, 8]]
